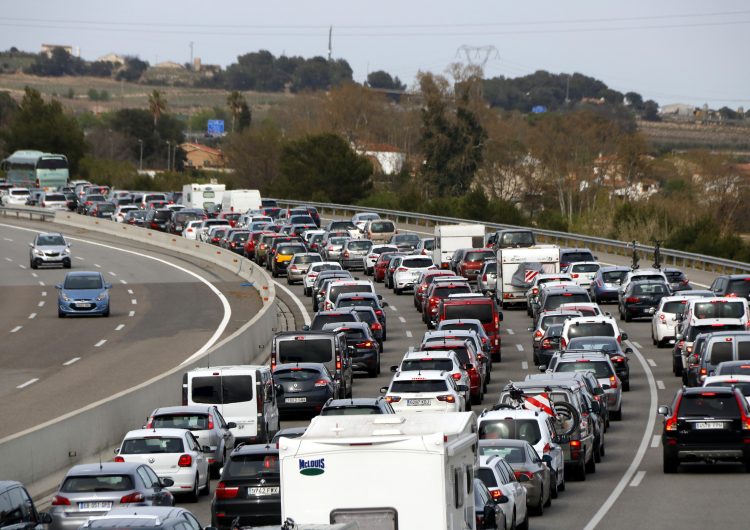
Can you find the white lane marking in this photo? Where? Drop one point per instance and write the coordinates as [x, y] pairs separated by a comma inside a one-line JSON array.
[[44, 293], [32, 316], [41, 283], [97, 266], [634, 343], [8, 259], [123, 282], [35, 275], [655, 440], [8, 239], [224, 302], [402, 320], [118, 328], [524, 365], [519, 347], [79, 258], [27, 383], [22, 266], [133, 301], [130, 291], [660, 385], [17, 328], [651, 363], [700, 285], [40, 304], [297, 302], [510, 331], [132, 313], [640, 453], [409, 334], [112, 273], [637, 479], [393, 308], [100, 343], [73, 360]]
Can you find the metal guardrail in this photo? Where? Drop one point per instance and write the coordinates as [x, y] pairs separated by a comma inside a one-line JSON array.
[[30, 212], [564, 239]]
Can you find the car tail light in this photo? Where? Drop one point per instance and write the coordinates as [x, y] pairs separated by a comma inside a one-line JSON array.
[[563, 342], [527, 474], [210, 422], [346, 253], [185, 461], [496, 494], [366, 344], [745, 419], [662, 317], [224, 492], [376, 326], [546, 344], [402, 269], [538, 334], [150, 423], [133, 497], [393, 399], [321, 382], [574, 275], [448, 398], [59, 500], [632, 299], [546, 448], [618, 359], [704, 371], [456, 376], [612, 381], [575, 444], [119, 459], [330, 247], [681, 344], [338, 362]]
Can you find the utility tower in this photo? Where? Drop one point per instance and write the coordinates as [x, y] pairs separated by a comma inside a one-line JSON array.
[[330, 42]]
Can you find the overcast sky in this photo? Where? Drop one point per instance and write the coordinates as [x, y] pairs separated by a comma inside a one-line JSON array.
[[672, 51]]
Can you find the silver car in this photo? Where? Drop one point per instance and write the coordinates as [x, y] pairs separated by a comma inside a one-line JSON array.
[[333, 247], [354, 253], [300, 264], [206, 424], [93, 489], [487, 277], [49, 249]]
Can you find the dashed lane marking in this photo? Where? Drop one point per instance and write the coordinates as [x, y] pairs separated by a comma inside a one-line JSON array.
[[100, 343], [44, 293], [32, 316], [660, 385], [22, 266], [637, 479], [97, 266], [131, 314], [40, 304], [27, 383], [636, 344], [409, 334], [655, 440], [118, 328], [130, 291], [73, 360], [35, 275], [123, 282], [17, 328], [524, 365], [112, 273], [510, 331], [133, 301], [402, 320], [519, 347], [79, 258], [393, 308], [651, 363]]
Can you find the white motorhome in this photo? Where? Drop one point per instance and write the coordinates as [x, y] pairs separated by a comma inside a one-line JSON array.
[[517, 268], [241, 201], [206, 196], [449, 238], [376, 464]]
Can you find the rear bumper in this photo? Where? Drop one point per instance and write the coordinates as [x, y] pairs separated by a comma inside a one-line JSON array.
[[365, 361], [699, 452], [251, 512]]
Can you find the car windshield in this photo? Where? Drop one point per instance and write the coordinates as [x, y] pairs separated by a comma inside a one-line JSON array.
[[712, 404], [82, 282], [191, 422], [512, 455], [513, 429], [50, 241], [411, 365], [249, 466], [591, 329], [353, 410], [308, 350], [719, 309], [222, 389], [481, 312], [600, 368], [97, 483], [425, 385], [151, 445]]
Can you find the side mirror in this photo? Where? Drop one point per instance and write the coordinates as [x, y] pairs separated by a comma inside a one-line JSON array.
[[500, 316], [664, 410], [107, 285], [206, 448], [502, 499], [547, 459], [462, 388], [598, 391], [468, 366], [117, 450], [380, 297], [166, 482], [624, 336], [394, 369], [383, 389], [384, 303], [628, 351], [45, 518], [58, 286], [31, 245], [523, 478], [305, 328], [542, 368], [233, 425], [651, 310]]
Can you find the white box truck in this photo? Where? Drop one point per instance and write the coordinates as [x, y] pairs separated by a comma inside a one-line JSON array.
[[449, 238], [385, 472], [517, 268], [241, 201], [206, 196]]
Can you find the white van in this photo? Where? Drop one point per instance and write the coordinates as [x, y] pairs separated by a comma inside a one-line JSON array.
[[379, 466], [205, 196], [449, 238], [244, 394], [240, 201]]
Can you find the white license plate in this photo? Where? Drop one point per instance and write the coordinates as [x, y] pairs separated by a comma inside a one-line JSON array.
[[84, 306], [94, 506], [295, 400], [266, 490], [418, 402], [709, 425]]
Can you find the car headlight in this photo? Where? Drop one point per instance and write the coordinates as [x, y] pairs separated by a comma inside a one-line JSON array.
[[101, 297], [66, 251], [38, 252], [65, 297]]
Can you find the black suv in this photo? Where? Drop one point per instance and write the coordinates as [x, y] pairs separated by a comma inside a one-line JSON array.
[[356, 406], [706, 424], [249, 488], [732, 285], [157, 219], [17, 509]]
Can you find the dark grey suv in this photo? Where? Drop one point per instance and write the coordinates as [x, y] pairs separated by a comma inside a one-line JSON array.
[[17, 510]]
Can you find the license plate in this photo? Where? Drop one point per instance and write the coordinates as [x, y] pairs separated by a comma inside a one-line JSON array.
[[94, 506], [266, 490], [295, 400], [84, 306], [418, 402], [709, 425]]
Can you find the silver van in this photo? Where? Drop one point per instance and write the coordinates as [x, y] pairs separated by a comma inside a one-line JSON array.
[[721, 347]]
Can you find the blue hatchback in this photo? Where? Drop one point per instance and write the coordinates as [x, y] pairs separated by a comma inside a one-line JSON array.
[[83, 293], [606, 284]]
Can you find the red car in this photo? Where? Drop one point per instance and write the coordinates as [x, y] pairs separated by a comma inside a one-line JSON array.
[[426, 280], [467, 355], [472, 262], [436, 292], [231, 217], [480, 307], [381, 265], [252, 241]]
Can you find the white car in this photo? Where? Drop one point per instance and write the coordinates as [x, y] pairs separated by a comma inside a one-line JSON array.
[[664, 322], [314, 270], [428, 390], [601, 326], [53, 200], [583, 272], [191, 229], [642, 275], [171, 453], [16, 197], [175, 207], [407, 273], [374, 254], [742, 382], [501, 481], [122, 211], [587, 309], [360, 219], [208, 224], [444, 361]]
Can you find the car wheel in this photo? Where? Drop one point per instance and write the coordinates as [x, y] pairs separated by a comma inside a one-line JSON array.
[[602, 451], [193, 495], [626, 385], [207, 488], [670, 464], [524, 525], [597, 450], [538, 509], [60, 314], [67, 264], [549, 496], [106, 312], [616, 414], [628, 316], [591, 464], [32, 264], [397, 291], [553, 491], [562, 485], [653, 339]]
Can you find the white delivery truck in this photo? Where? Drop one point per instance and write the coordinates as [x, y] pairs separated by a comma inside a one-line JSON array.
[[206, 196], [241, 201], [383, 471], [517, 268], [449, 238]]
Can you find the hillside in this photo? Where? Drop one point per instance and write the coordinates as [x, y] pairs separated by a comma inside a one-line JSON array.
[[673, 135]]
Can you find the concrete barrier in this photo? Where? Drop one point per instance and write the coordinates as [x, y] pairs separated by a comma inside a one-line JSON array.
[[39, 456]]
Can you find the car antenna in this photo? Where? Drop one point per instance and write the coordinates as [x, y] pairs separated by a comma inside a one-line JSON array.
[[100, 462]]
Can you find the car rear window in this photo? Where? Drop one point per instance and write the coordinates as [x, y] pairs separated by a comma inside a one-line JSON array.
[[675, 276], [552, 320], [487, 476], [735, 369], [600, 368], [151, 445], [250, 466], [491, 268], [97, 483], [191, 422], [649, 288], [674, 307], [586, 267], [222, 389], [744, 386], [461, 353], [354, 333], [366, 316], [716, 405], [570, 257], [360, 245], [417, 263], [336, 290], [296, 374], [613, 276], [512, 455], [591, 329], [478, 255], [739, 287], [309, 258], [54, 197], [309, 350], [157, 215], [321, 320], [553, 301], [694, 331], [359, 301], [459, 326], [290, 250], [426, 364], [444, 292], [427, 385], [719, 309], [356, 410], [719, 352], [481, 312], [520, 429]]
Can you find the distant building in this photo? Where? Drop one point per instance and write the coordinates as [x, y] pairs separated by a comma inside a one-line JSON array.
[[678, 109], [169, 65], [47, 49], [202, 156], [112, 58], [386, 159]]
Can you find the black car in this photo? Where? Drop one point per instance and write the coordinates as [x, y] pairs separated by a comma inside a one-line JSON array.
[[249, 488], [369, 299], [640, 299], [678, 281], [304, 387], [364, 350], [406, 242], [235, 241], [732, 285], [367, 314], [179, 220], [487, 510], [157, 219], [545, 348], [17, 510], [611, 347], [706, 424], [135, 217], [357, 406], [102, 210]]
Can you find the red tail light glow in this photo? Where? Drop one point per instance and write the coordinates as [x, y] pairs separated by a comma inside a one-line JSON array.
[[224, 492], [527, 474], [393, 399], [185, 461], [59, 500], [133, 497], [321, 382], [447, 398], [456, 376], [119, 459]]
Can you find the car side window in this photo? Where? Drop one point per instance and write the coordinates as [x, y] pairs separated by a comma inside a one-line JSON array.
[[194, 442], [152, 478], [220, 418], [143, 474], [508, 471], [20, 507], [191, 521]]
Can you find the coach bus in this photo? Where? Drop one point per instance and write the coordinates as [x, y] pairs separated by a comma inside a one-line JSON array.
[[35, 169]]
